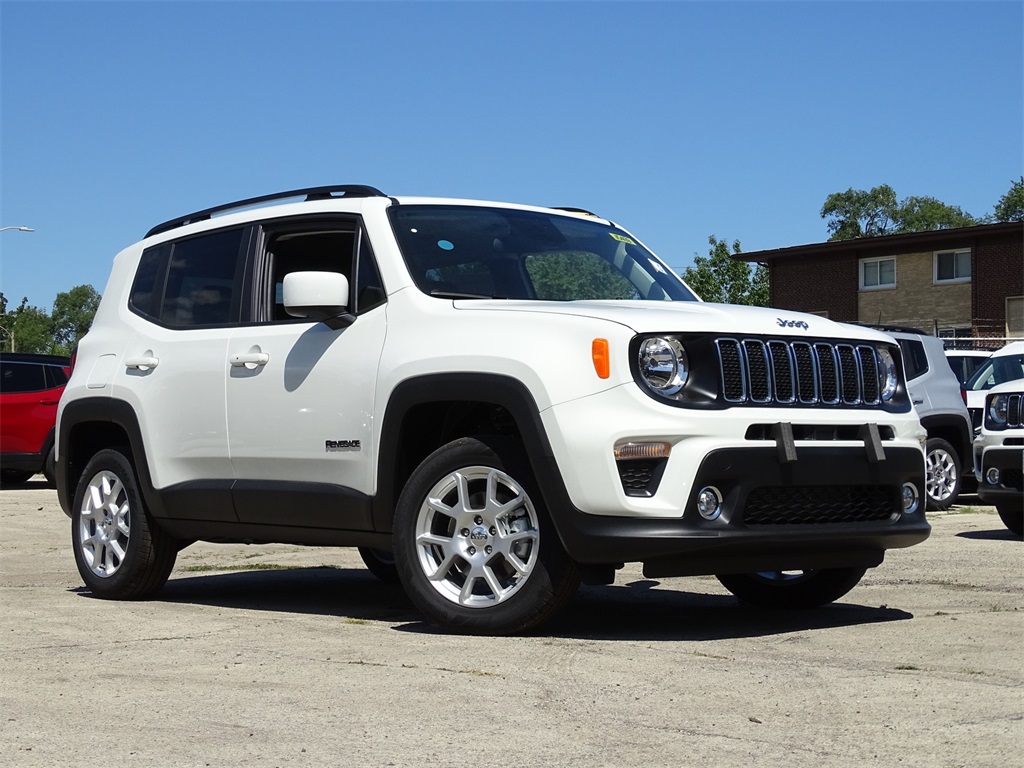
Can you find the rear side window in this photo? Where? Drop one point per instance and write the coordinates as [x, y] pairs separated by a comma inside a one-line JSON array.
[[191, 283], [914, 358], [21, 377]]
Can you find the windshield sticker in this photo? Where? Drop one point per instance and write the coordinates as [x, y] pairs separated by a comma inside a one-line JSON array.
[[656, 266], [621, 238]]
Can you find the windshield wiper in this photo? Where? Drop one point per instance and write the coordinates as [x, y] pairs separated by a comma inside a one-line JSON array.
[[442, 294]]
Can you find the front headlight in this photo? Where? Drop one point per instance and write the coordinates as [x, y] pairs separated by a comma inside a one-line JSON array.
[[888, 379], [998, 408], [663, 365]]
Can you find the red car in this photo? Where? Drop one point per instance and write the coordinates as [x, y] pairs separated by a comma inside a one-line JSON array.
[[30, 388]]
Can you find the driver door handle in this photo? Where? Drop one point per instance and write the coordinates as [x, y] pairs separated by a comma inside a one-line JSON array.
[[250, 358]]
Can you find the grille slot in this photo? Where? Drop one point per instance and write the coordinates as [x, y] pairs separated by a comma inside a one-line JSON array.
[[814, 505], [787, 372], [1013, 415]]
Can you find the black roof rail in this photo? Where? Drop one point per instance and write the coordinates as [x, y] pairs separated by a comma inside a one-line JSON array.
[[310, 193]]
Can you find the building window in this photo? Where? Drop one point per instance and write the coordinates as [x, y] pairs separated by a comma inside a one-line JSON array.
[[1015, 316], [877, 273], [953, 266]]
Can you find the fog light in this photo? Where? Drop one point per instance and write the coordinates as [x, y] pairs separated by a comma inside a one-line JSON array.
[[911, 498], [992, 476], [709, 502]]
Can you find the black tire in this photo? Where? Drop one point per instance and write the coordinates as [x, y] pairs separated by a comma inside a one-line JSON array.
[[943, 474], [1012, 515], [497, 563], [50, 467], [120, 553], [15, 476], [792, 589], [381, 563]]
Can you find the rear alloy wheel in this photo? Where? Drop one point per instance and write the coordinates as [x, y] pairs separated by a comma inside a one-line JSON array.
[[942, 474], [381, 563], [792, 589], [119, 552], [475, 549]]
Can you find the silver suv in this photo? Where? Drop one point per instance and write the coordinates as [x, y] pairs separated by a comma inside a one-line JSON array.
[[935, 391]]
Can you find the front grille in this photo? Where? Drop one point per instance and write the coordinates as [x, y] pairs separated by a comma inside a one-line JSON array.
[[811, 505], [805, 372]]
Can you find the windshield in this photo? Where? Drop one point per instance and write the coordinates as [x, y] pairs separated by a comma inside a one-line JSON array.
[[457, 251], [997, 370]]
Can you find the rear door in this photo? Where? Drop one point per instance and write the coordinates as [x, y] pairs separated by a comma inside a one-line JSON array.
[[185, 300]]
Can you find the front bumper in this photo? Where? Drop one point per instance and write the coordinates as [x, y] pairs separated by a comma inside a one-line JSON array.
[[1010, 464], [830, 508]]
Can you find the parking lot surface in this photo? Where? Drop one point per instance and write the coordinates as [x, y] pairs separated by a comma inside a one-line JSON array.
[[285, 656]]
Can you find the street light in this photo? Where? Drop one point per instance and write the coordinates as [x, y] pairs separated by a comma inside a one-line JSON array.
[[20, 229]]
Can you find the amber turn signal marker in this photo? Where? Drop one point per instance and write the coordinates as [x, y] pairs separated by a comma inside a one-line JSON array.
[[602, 361]]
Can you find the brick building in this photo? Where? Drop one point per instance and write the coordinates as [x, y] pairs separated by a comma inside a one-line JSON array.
[[966, 282]]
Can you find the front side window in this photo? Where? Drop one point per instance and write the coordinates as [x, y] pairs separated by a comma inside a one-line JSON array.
[[953, 266], [877, 273], [457, 251], [315, 246]]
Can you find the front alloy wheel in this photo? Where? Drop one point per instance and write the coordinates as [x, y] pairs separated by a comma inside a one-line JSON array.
[[473, 544], [792, 589], [477, 537]]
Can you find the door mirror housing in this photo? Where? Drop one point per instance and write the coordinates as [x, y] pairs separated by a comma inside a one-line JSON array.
[[320, 296]]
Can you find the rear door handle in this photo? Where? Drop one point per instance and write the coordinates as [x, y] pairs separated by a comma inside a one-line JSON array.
[[143, 363]]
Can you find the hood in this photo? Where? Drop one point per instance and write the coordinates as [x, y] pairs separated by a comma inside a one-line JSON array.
[[686, 317]]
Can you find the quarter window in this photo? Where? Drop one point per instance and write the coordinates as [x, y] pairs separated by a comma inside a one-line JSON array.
[[877, 273], [953, 266]]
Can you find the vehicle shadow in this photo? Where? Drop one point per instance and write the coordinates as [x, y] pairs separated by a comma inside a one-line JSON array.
[[996, 534], [641, 610], [38, 483]]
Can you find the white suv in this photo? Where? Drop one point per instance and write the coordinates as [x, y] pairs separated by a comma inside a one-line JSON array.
[[492, 401], [999, 453]]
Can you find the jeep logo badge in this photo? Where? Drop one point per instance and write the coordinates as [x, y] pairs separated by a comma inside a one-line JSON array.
[[792, 323]]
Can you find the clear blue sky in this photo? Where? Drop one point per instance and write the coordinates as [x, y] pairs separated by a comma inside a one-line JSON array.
[[676, 119]]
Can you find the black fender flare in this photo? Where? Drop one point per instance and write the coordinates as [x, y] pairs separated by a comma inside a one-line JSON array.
[[495, 389], [102, 410]]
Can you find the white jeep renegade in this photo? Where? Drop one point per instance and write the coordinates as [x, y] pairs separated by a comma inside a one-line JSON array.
[[492, 401]]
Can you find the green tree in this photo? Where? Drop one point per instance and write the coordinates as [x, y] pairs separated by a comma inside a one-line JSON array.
[[722, 279], [72, 315], [28, 329], [875, 212], [1011, 205], [858, 213]]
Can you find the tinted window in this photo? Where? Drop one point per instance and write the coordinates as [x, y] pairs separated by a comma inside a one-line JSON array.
[[192, 282], [21, 377], [914, 358]]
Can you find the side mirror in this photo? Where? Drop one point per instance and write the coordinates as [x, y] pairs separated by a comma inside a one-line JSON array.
[[320, 296]]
